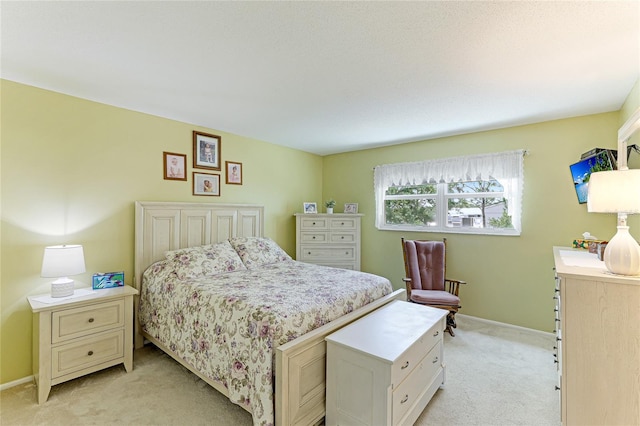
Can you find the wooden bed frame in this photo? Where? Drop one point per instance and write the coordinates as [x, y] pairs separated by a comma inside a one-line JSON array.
[[300, 364]]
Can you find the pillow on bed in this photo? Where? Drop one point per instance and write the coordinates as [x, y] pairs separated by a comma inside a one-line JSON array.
[[256, 251], [202, 261]]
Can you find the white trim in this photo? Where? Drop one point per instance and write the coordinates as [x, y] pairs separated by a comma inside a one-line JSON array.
[[504, 324], [8, 385]]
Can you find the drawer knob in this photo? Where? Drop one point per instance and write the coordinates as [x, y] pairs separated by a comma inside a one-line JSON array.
[[308, 252], [436, 334], [406, 364], [342, 237], [90, 353], [405, 399], [91, 319], [314, 223], [314, 237], [557, 387], [342, 223], [434, 360]]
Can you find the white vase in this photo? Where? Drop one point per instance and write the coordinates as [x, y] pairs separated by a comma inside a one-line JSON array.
[[329, 210]]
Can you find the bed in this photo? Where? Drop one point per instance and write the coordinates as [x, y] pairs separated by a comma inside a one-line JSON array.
[[235, 309]]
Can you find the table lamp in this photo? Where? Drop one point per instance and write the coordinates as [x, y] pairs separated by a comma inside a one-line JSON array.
[[61, 262], [618, 191]]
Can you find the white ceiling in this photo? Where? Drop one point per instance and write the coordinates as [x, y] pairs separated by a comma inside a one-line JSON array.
[[328, 77]]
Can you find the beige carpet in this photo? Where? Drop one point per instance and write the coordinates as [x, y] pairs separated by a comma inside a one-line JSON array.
[[495, 376]]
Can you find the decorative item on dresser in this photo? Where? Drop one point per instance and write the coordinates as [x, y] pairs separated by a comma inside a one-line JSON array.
[[330, 204], [598, 341], [396, 355], [78, 335], [330, 240]]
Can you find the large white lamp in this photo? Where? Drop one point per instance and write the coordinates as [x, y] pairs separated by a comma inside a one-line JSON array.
[[618, 191], [61, 262]]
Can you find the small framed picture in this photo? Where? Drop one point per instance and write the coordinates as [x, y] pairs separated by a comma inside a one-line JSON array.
[[108, 280], [174, 166], [234, 172], [351, 207], [206, 151], [310, 207], [206, 184]]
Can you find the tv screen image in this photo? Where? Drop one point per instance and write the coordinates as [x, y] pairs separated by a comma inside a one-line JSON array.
[[581, 171]]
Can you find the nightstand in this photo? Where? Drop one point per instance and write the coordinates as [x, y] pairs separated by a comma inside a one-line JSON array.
[[81, 334]]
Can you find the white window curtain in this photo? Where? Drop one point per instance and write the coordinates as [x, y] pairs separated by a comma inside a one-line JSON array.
[[505, 167]]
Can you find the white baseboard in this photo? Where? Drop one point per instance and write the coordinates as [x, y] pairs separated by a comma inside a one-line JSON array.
[[504, 324], [16, 383]]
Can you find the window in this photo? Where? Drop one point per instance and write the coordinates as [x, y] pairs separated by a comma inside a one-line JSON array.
[[475, 194]]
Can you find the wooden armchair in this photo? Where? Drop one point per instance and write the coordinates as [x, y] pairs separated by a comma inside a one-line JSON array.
[[425, 268]]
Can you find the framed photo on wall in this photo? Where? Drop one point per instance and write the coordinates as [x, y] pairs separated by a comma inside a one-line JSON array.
[[206, 151], [206, 184], [234, 172], [351, 207], [175, 166]]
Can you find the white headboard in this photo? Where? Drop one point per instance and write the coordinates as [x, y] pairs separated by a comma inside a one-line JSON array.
[[162, 226]]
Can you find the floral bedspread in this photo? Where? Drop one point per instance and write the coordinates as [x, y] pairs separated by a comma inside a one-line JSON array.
[[228, 325]]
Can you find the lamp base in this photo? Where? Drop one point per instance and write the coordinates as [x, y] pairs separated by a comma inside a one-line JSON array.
[[62, 287], [622, 255]]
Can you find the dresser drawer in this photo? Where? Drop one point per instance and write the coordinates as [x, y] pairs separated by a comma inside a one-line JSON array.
[[410, 391], [314, 237], [85, 353], [333, 253], [414, 354], [343, 223], [342, 237], [313, 223], [73, 323]]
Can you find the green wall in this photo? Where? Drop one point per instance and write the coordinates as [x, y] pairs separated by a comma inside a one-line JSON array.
[[71, 170], [510, 279]]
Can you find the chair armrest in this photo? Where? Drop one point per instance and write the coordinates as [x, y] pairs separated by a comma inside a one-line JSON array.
[[407, 282], [453, 285]]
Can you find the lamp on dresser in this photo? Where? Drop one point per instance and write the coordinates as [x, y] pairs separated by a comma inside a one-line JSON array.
[[618, 191], [61, 262]]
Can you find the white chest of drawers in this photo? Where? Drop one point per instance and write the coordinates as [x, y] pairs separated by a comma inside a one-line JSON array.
[[329, 239], [384, 368], [77, 336]]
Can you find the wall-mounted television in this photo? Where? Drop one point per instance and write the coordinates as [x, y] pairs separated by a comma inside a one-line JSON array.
[[581, 171]]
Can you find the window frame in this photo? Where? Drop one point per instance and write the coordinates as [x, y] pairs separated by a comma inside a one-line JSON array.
[[453, 170]]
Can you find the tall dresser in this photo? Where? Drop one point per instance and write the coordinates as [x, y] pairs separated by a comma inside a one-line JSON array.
[[598, 341], [329, 239]]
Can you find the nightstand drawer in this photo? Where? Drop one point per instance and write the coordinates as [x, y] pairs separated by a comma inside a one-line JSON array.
[[85, 353], [78, 322]]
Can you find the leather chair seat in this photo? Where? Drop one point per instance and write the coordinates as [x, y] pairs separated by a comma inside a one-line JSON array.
[[434, 297]]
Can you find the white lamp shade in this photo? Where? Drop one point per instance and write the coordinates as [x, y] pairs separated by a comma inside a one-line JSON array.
[[615, 191], [62, 261]]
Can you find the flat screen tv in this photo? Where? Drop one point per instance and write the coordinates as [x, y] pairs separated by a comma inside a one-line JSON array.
[[581, 171]]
